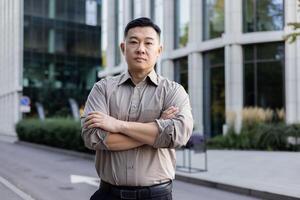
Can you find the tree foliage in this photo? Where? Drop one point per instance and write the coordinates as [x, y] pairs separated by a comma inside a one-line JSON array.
[[291, 37]]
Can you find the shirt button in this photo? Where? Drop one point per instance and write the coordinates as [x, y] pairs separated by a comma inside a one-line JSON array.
[[134, 106]]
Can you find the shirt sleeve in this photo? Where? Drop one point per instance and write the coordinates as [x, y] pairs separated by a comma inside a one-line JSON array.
[[175, 132], [94, 138]]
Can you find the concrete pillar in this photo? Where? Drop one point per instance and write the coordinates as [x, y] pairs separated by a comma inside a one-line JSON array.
[[195, 74], [233, 84], [11, 66], [292, 71], [233, 63]]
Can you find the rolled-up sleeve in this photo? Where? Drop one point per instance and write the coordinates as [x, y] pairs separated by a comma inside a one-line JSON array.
[[175, 132], [94, 138]]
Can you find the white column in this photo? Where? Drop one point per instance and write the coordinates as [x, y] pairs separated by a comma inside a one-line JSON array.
[[168, 16], [233, 62], [195, 31], [292, 71], [111, 40], [167, 69], [195, 74], [11, 63], [234, 83]]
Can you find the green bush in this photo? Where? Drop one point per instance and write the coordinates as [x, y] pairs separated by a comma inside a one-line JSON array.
[[56, 132], [260, 137]]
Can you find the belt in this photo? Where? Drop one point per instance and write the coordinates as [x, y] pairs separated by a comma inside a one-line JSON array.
[[139, 192]]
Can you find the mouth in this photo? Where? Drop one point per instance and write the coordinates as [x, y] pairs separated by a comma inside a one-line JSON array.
[[139, 59]]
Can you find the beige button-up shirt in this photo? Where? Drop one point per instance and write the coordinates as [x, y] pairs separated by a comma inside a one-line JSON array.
[[120, 98]]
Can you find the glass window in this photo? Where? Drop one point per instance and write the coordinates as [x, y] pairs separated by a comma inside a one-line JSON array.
[[181, 72], [61, 10], [264, 75], [214, 92], [60, 38], [36, 37], [266, 15], [213, 19], [182, 19], [36, 7]]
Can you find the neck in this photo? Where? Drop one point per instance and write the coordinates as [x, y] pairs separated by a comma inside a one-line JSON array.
[[138, 76]]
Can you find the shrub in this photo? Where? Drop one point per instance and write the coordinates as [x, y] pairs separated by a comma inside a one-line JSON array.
[[57, 132]]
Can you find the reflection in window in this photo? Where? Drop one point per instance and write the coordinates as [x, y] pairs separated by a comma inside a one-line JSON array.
[[213, 19], [266, 15], [181, 72], [36, 7], [182, 19], [214, 92], [264, 75], [36, 37]]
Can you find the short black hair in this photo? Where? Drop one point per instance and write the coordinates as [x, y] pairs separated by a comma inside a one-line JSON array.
[[141, 22]]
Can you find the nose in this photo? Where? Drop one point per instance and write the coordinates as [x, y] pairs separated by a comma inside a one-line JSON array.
[[140, 49]]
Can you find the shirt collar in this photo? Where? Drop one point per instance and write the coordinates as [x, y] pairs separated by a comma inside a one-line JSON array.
[[152, 77]]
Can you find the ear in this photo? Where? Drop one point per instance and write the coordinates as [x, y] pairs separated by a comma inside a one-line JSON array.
[[122, 47], [160, 49]]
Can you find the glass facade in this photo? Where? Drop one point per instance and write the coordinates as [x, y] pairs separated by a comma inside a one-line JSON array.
[[264, 75], [263, 15], [214, 92], [182, 20], [62, 52], [181, 72], [213, 19]]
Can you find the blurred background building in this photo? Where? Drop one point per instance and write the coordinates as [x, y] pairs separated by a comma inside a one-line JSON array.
[[50, 52], [227, 54]]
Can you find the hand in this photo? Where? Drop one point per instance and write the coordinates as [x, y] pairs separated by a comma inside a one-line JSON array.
[[103, 121], [169, 113]]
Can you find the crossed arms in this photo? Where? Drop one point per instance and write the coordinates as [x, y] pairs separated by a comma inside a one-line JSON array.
[[123, 135], [103, 132]]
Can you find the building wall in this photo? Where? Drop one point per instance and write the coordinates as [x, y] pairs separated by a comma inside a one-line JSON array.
[[233, 41], [11, 52]]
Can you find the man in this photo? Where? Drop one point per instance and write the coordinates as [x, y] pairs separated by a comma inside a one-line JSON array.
[[135, 120]]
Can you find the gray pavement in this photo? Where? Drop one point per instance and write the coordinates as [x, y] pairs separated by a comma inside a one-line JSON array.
[[7, 193], [269, 175], [36, 172]]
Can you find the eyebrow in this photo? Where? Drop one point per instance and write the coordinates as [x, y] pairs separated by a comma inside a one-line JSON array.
[[134, 37]]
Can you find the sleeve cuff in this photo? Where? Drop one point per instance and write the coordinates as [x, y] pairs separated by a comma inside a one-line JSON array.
[[166, 129]]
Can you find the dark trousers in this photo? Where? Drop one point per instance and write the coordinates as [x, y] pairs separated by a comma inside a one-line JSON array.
[[110, 192]]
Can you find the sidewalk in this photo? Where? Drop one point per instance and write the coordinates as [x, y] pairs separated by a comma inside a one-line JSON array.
[[261, 174], [267, 175]]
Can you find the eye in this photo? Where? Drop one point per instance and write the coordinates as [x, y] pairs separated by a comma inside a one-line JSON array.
[[132, 42], [149, 43]]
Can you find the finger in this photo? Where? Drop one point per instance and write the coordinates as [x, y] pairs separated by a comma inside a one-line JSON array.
[[91, 121], [172, 115], [169, 110], [94, 125], [87, 123], [173, 110], [91, 116]]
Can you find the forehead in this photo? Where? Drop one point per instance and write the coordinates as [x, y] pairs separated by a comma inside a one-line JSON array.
[[142, 33]]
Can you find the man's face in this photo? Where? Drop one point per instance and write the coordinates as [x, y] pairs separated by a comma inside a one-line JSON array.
[[141, 48]]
